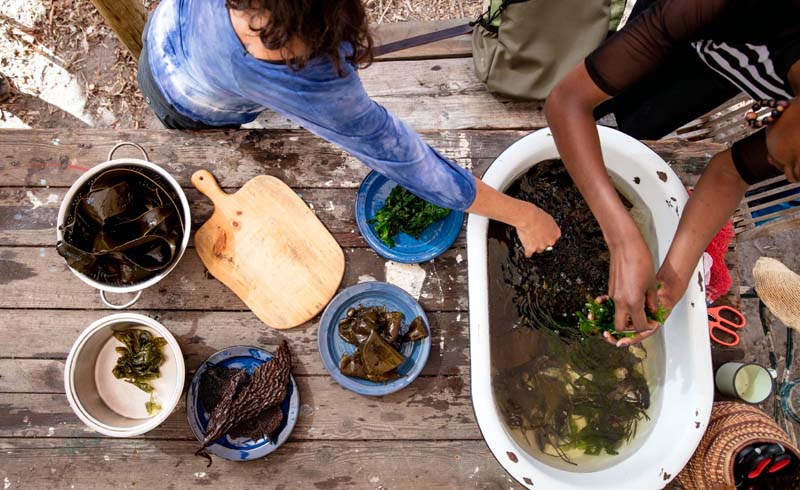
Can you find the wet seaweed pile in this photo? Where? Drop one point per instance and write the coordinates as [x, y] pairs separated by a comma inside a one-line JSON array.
[[123, 227], [563, 393]]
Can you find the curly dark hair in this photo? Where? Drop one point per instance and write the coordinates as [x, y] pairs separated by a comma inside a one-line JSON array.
[[321, 25]]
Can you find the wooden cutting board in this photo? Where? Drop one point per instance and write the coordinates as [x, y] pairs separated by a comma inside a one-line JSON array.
[[265, 244]]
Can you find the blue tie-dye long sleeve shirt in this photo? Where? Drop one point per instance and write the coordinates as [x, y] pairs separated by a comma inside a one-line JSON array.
[[205, 72]]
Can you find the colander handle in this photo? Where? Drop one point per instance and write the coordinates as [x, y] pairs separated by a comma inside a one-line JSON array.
[[122, 306], [127, 143]]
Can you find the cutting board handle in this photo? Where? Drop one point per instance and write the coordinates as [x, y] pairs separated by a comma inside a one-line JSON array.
[[207, 184]]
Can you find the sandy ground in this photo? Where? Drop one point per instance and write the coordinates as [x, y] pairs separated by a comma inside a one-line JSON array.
[[69, 70]]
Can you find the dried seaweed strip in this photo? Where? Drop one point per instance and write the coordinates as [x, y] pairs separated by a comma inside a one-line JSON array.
[[267, 387], [265, 424], [213, 383]]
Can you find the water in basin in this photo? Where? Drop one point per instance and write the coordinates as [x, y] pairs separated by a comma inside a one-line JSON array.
[[545, 380]]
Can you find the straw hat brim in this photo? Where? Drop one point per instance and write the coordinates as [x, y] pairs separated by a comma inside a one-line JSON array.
[[779, 289]]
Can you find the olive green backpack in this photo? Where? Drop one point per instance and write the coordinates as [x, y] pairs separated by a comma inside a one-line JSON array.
[[522, 48]]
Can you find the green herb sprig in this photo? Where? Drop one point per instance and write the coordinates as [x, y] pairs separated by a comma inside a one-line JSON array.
[[403, 211], [598, 317]]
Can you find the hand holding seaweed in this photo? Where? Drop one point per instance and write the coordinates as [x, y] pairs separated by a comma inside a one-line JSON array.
[[598, 317]]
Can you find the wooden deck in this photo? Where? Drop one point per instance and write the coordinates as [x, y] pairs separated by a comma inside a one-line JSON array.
[[423, 437]]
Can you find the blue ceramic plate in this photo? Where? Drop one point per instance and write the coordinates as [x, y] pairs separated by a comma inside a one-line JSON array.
[[409, 250], [240, 356], [332, 347]]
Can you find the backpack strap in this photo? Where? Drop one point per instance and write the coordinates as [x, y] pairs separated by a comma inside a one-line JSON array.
[[484, 20], [427, 38]]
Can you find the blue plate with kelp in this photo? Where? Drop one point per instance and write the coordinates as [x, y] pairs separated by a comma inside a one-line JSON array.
[[332, 347], [433, 241], [242, 448]]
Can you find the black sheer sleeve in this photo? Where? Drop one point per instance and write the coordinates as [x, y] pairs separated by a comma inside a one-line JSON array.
[[645, 41], [750, 158]]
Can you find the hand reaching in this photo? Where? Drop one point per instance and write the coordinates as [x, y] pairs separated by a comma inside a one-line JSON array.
[[632, 286], [537, 231]]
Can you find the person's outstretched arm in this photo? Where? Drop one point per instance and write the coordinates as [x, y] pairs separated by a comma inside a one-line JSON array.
[[632, 273], [721, 189]]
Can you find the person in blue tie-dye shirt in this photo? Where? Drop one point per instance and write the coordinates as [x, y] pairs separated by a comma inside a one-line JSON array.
[[220, 63]]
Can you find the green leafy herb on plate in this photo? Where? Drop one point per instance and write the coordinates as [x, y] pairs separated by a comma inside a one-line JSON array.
[[403, 211]]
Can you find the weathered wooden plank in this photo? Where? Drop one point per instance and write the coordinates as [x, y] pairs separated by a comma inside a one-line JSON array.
[[40, 158], [49, 334], [37, 277], [446, 110], [457, 47], [100, 464], [431, 408], [435, 95]]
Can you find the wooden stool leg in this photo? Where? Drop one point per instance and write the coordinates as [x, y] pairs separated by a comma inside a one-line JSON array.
[[126, 18]]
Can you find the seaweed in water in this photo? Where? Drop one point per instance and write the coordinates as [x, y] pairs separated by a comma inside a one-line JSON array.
[[122, 229], [563, 392]]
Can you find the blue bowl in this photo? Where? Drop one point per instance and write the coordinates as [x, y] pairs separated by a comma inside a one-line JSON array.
[[240, 356], [332, 347], [434, 241]]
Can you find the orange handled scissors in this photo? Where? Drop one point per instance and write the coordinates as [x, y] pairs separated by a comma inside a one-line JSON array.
[[727, 324]]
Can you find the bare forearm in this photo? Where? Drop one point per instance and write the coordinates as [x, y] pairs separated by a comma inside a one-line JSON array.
[[713, 201], [572, 123], [536, 229], [495, 205]]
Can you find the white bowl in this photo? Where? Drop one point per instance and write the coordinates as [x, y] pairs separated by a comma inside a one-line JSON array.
[[109, 405], [90, 174]]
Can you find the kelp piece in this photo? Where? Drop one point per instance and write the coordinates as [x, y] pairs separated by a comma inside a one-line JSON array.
[[123, 229], [378, 356], [403, 211], [129, 263], [107, 202], [376, 334], [139, 359], [394, 322], [416, 331], [353, 366], [153, 220]]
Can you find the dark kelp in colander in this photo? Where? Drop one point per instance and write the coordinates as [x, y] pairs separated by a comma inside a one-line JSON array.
[[245, 397], [376, 333], [562, 391], [123, 228]]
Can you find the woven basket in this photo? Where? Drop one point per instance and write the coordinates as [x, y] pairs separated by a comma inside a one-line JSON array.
[[733, 426]]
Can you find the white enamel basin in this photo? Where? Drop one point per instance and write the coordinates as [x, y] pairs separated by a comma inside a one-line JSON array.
[[681, 403]]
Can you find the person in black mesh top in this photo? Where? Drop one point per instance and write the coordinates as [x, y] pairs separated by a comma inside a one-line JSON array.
[[674, 61]]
